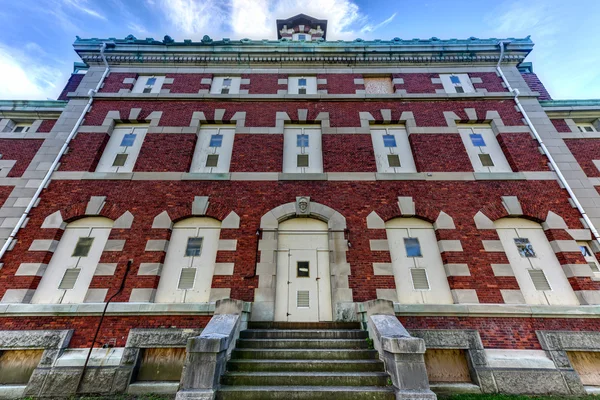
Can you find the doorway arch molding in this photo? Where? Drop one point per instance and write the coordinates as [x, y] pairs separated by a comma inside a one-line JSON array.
[[263, 308]]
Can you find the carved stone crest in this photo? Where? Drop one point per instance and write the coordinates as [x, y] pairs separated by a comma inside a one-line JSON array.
[[303, 205]]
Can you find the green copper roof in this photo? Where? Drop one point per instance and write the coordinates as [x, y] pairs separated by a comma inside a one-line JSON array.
[[25, 105], [570, 103]]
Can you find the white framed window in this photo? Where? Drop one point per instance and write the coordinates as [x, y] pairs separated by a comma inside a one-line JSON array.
[[189, 264], [213, 149], [392, 149], [148, 84], [73, 264], [21, 127], [587, 128], [302, 85], [302, 149], [307, 37], [457, 83], [417, 263], [534, 263], [226, 85], [590, 257], [122, 149], [483, 149]]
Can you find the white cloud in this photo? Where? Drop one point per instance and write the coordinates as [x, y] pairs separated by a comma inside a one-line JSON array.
[[137, 29], [370, 28], [24, 77], [81, 5], [193, 17]]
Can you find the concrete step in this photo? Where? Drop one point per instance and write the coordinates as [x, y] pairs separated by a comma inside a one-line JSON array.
[[302, 344], [305, 379], [304, 354], [306, 366], [305, 393], [304, 325], [303, 334]]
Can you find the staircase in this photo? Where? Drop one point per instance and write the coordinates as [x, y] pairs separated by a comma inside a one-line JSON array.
[[317, 361]]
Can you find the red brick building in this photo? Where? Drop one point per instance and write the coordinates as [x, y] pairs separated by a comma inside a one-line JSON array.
[[304, 177]]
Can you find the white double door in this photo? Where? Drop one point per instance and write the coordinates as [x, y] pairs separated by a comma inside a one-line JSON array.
[[303, 291]]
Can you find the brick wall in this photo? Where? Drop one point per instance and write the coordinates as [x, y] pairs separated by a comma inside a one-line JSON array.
[[257, 153], [186, 83], [114, 82], [84, 152], [490, 81], [584, 151], [21, 150], [536, 85], [71, 86], [166, 153], [440, 153], [46, 125], [417, 83], [263, 83], [561, 125], [348, 153], [340, 83], [522, 152]]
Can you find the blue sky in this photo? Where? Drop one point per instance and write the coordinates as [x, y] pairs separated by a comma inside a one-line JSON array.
[[36, 54]]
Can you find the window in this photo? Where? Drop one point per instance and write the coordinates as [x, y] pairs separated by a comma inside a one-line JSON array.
[[21, 128], [187, 278], [302, 149], [128, 140], [69, 278], [477, 140], [457, 83], [389, 141], [589, 256], [213, 149], [122, 149], [302, 160], [525, 247], [148, 84], [194, 246], [392, 149], [394, 161], [486, 160], [301, 37], [226, 85], [483, 149], [212, 161], [379, 85], [303, 269], [216, 141], [302, 85], [83, 246], [538, 277], [413, 247], [120, 160], [419, 278], [302, 140], [586, 128]]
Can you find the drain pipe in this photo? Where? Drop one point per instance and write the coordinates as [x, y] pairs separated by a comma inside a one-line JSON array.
[[62, 151], [555, 167]]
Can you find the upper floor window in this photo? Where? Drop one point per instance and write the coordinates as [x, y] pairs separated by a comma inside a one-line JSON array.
[[225, 85], [392, 149], [379, 85], [589, 256], [122, 149], [586, 128], [302, 36], [302, 149], [21, 128], [213, 149], [148, 84], [457, 83], [483, 150], [302, 85]]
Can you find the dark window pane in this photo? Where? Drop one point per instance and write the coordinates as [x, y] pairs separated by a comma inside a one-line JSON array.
[[394, 160], [302, 91], [194, 247], [303, 269], [302, 160], [212, 160], [120, 160], [486, 160], [459, 89], [83, 246], [225, 90], [585, 251], [525, 247]]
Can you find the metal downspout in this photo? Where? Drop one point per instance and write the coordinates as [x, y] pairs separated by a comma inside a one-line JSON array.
[[545, 150], [62, 151]]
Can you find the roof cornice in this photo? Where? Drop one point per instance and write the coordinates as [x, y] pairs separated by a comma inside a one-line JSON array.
[[393, 52]]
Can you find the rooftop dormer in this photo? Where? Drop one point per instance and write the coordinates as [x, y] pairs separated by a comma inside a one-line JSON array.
[[302, 28]]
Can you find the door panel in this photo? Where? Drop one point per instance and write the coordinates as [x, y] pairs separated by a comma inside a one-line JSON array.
[[303, 296]]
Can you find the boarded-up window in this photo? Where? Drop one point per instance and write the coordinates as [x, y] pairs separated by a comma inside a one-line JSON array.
[[16, 366], [161, 364], [447, 365], [380, 85], [587, 365]]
